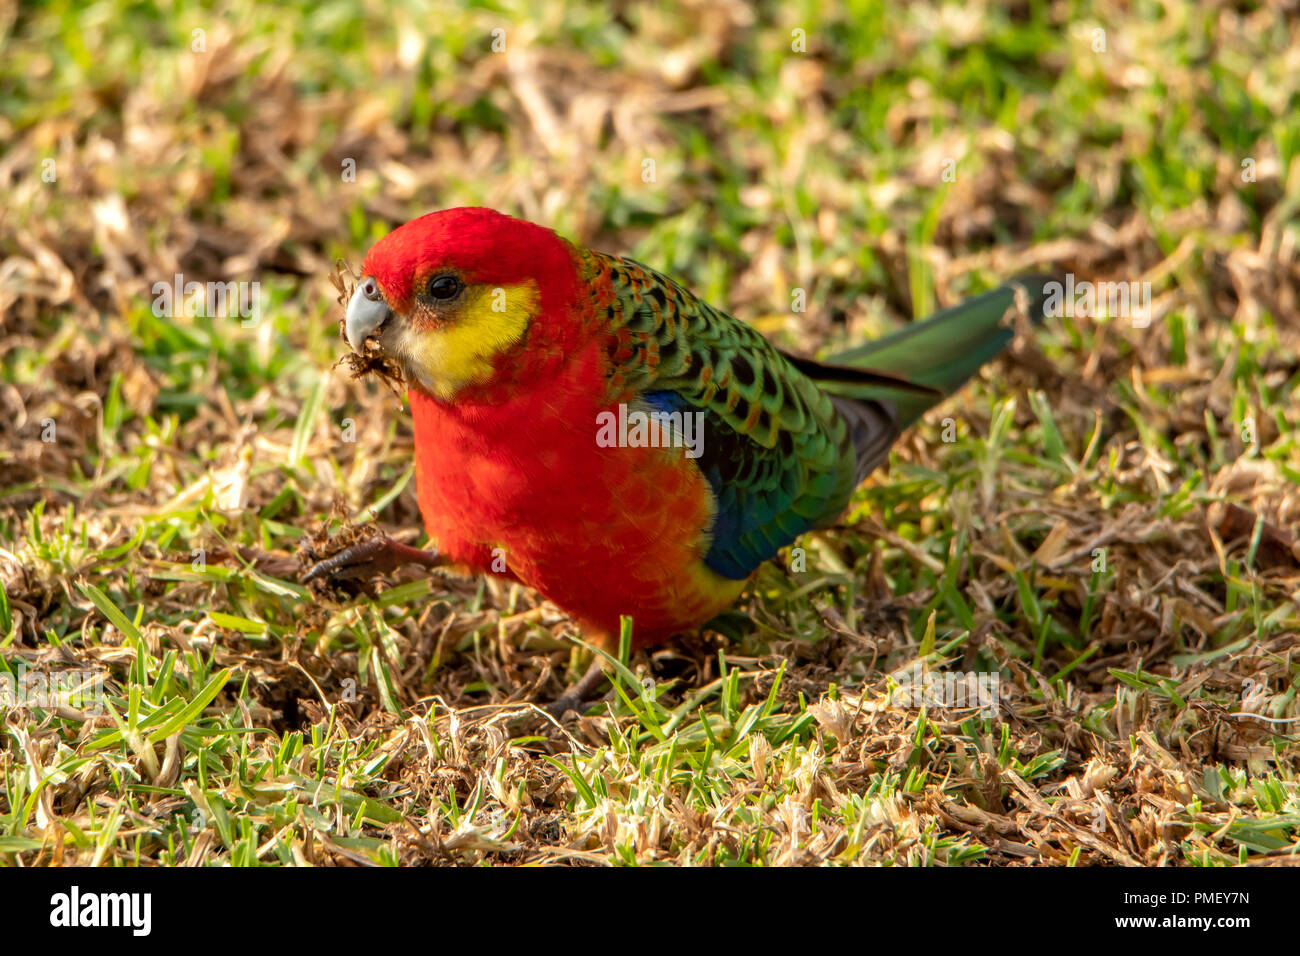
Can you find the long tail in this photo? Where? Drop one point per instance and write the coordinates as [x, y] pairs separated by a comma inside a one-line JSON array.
[[884, 386], [941, 352]]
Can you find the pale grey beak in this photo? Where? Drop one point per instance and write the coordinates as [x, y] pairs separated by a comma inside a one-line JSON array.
[[367, 311]]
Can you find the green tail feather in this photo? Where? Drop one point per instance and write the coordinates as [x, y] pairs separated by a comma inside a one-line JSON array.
[[943, 351]]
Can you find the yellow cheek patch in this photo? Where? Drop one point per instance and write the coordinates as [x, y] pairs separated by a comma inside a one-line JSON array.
[[490, 320]]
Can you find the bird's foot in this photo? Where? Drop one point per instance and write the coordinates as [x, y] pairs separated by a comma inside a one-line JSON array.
[[580, 695], [359, 563]]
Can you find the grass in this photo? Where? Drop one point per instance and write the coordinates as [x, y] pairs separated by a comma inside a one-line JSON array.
[[1103, 521]]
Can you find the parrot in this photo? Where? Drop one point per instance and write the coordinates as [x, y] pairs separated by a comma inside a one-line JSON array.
[[588, 427]]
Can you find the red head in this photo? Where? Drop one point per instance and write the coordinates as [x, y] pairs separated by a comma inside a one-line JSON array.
[[468, 301]]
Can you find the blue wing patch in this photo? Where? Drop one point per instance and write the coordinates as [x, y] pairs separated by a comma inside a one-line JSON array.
[[763, 496]]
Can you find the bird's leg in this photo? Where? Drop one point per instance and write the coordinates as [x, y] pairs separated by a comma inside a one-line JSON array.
[[368, 559], [576, 696]]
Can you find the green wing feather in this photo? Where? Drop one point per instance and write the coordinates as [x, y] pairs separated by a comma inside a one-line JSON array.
[[777, 454], [786, 439]]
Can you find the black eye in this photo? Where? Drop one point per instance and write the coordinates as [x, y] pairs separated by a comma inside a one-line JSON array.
[[445, 287]]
